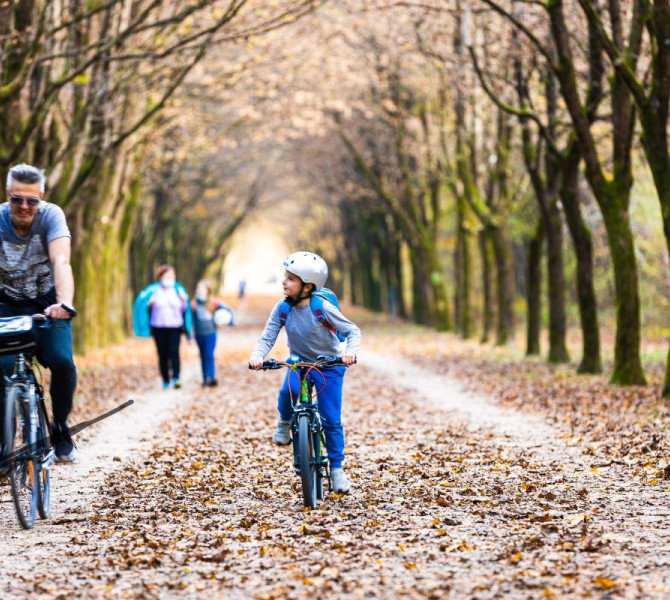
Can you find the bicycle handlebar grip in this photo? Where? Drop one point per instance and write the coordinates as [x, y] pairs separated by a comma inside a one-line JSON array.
[[70, 309], [270, 364]]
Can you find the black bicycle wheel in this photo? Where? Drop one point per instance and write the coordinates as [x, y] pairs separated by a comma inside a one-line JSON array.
[[44, 473], [306, 462], [19, 438]]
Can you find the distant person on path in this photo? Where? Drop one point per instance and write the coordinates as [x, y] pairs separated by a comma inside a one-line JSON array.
[[241, 288], [309, 339], [208, 313], [35, 277], [162, 310]]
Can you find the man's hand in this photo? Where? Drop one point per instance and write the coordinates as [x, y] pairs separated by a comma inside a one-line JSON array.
[[56, 311], [348, 359], [255, 363]]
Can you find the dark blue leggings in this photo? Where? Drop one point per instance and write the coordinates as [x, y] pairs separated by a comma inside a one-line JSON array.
[[207, 344], [330, 406]]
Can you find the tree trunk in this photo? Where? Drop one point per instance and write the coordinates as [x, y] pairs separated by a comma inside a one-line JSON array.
[[534, 291], [558, 352], [487, 298], [421, 301], [627, 363], [505, 280], [464, 290], [583, 244]]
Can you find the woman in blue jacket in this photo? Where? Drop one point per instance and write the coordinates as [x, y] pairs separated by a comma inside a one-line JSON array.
[[162, 311]]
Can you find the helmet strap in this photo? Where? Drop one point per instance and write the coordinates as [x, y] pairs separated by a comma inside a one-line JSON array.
[[295, 301]]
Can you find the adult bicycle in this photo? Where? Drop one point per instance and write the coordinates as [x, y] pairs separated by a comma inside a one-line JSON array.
[[306, 430], [26, 433]]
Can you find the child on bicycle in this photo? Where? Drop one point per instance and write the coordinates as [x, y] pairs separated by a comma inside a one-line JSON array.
[[308, 338]]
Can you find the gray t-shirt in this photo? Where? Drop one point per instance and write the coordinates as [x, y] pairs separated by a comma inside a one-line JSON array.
[[26, 273], [308, 338]]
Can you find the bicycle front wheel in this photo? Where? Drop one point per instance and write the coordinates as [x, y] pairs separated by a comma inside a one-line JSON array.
[[44, 462], [321, 465], [307, 462], [23, 468]]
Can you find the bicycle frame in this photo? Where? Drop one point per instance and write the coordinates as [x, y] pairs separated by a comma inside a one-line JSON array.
[[307, 432], [308, 405]]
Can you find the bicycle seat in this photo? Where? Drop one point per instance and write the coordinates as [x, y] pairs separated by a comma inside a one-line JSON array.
[[16, 334]]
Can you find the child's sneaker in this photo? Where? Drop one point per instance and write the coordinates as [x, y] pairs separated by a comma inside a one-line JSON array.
[[166, 385], [282, 434], [177, 383], [340, 482]]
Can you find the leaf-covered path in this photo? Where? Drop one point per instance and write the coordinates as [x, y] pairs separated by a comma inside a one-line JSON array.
[[185, 496]]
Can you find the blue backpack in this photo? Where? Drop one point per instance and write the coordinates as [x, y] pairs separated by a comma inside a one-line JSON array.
[[316, 304]]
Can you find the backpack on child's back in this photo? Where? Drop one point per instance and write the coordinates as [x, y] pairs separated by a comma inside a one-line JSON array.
[[316, 304]]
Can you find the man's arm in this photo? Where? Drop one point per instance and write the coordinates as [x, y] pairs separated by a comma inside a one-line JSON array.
[[59, 255]]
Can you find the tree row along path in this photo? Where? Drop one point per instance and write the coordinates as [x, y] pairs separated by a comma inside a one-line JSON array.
[[455, 494]]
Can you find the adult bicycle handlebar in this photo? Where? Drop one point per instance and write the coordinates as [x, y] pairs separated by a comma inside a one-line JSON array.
[[42, 318]]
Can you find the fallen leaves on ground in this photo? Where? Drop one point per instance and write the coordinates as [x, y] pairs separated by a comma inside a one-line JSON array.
[[440, 507]]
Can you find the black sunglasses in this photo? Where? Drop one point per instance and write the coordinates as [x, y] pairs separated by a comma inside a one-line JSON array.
[[19, 200]]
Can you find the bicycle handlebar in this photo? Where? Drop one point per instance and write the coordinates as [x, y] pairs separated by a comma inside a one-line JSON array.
[[42, 318], [273, 363]]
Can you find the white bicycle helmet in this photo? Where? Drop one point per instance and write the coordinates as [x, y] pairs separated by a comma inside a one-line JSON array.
[[310, 267]]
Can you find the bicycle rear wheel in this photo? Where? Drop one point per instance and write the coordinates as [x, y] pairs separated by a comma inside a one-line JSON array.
[[46, 455], [306, 460], [19, 439]]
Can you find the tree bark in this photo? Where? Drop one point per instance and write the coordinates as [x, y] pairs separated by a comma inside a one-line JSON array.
[[487, 294], [534, 291], [583, 244]]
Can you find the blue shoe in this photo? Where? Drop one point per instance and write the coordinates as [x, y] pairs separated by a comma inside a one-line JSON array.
[[166, 385], [176, 382], [64, 447]]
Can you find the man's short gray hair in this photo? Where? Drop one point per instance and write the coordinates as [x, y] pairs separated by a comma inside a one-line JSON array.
[[24, 173]]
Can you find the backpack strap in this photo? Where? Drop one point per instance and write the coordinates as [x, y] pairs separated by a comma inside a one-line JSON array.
[[316, 304], [284, 310]]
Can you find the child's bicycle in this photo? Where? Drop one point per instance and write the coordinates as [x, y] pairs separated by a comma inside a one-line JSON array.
[[306, 429], [26, 433]]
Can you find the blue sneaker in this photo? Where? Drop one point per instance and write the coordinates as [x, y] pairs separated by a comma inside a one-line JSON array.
[[166, 385], [177, 383], [64, 447]]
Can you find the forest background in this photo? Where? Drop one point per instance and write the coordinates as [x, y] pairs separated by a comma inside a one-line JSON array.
[[498, 169]]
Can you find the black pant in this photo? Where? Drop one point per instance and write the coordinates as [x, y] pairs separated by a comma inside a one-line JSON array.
[[167, 343]]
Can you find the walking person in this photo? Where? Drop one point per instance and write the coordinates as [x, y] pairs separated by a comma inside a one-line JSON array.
[[206, 311], [162, 311], [311, 336], [36, 277]]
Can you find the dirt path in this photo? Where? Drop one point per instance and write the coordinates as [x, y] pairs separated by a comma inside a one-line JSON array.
[[453, 497]]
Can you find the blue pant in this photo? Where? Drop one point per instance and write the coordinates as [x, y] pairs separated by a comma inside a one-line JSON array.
[[207, 344], [330, 406], [54, 351]]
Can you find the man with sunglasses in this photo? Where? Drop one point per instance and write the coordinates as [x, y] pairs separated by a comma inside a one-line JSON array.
[[36, 276]]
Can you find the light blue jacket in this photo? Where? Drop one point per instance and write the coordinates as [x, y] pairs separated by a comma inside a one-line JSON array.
[[142, 314]]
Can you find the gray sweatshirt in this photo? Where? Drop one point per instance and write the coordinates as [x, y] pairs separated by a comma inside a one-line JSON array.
[[307, 337]]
